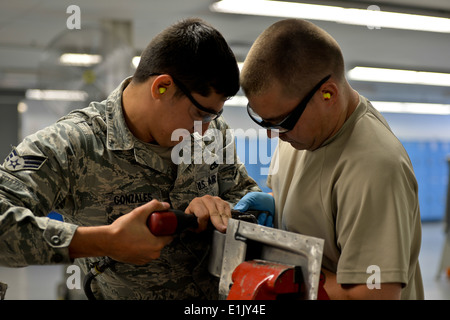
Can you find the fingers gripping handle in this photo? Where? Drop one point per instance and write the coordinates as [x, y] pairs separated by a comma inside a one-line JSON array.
[[172, 221]]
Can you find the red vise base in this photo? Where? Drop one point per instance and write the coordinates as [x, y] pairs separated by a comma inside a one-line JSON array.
[[263, 280]]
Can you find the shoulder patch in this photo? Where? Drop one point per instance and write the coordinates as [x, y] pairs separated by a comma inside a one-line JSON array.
[[16, 162]]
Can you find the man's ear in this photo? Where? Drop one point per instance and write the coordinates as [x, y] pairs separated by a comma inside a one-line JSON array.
[[161, 85], [329, 91]]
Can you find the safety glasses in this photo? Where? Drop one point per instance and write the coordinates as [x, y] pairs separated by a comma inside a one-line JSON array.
[[288, 123], [211, 114]]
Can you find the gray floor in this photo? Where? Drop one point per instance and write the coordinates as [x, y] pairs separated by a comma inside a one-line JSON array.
[[41, 282]]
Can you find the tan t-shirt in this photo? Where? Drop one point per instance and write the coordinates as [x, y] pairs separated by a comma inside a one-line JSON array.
[[358, 192]]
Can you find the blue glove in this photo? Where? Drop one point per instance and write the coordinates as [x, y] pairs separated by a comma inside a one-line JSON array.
[[259, 201]]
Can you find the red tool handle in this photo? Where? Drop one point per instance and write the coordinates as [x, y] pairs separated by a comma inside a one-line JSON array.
[[172, 221]]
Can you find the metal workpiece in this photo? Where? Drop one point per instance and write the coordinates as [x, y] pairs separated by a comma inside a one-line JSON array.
[[245, 241]]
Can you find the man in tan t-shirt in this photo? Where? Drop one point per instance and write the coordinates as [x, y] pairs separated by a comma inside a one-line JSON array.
[[339, 173]]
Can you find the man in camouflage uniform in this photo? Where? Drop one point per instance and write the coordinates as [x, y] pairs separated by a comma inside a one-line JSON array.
[[107, 167]]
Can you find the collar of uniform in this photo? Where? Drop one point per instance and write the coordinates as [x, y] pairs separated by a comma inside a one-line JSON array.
[[196, 144], [119, 137], [144, 154]]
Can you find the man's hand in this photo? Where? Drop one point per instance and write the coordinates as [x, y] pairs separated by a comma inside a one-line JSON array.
[[210, 208], [259, 201], [127, 239]]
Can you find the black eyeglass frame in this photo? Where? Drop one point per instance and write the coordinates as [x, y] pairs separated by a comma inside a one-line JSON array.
[[213, 115], [288, 123]]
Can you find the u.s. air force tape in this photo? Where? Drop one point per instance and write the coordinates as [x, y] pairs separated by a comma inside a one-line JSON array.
[[16, 162]]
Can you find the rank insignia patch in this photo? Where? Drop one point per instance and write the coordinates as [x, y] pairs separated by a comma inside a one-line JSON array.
[[16, 162]]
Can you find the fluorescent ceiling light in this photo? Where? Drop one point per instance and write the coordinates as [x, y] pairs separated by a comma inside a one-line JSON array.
[[56, 95], [399, 76], [135, 61], [352, 16], [408, 107], [22, 107], [80, 59]]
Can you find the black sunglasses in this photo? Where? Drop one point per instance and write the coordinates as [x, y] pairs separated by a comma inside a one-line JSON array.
[[288, 123], [212, 115]]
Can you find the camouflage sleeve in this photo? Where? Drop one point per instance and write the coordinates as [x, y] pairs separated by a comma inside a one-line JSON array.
[[234, 181], [33, 178]]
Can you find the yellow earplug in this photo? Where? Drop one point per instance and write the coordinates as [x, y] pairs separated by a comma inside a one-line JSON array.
[[162, 90], [327, 96]]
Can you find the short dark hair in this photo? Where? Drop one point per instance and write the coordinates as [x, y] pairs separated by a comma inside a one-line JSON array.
[[194, 53], [294, 52]]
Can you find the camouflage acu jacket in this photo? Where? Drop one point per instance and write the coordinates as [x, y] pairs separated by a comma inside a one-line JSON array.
[[91, 169]]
